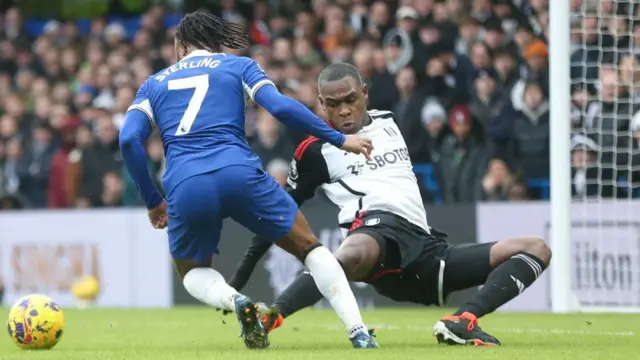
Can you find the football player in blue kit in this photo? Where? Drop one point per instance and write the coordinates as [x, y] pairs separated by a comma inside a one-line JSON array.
[[198, 105]]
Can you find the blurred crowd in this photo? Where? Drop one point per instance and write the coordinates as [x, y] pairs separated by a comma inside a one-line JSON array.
[[467, 81]]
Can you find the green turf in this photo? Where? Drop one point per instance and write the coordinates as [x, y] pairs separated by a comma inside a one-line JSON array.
[[200, 333]]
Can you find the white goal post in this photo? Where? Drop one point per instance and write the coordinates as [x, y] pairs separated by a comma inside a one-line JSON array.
[[560, 128], [595, 236]]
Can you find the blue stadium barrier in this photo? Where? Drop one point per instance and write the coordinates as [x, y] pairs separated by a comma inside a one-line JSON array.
[[35, 27], [84, 25], [426, 172], [543, 184], [172, 20]]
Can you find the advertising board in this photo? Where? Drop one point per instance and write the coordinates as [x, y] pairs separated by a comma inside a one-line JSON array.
[[605, 243], [49, 251]]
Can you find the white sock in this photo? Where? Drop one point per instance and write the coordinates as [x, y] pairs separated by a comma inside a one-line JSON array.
[[332, 283], [208, 286]]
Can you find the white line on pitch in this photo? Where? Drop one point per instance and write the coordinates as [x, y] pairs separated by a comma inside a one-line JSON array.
[[508, 330]]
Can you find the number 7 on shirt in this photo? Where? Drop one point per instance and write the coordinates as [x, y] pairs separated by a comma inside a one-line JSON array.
[[201, 85]]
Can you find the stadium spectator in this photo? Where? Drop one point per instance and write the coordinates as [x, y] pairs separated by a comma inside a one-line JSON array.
[[279, 169], [585, 170], [536, 69], [57, 196], [589, 52], [518, 192], [379, 81], [608, 121], [423, 134], [505, 65], [269, 142], [11, 168], [409, 101], [530, 122], [34, 166], [419, 59], [487, 99], [461, 158], [630, 76], [99, 160], [497, 183]]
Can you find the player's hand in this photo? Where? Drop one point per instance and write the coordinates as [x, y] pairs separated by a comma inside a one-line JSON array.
[[158, 216], [357, 145]]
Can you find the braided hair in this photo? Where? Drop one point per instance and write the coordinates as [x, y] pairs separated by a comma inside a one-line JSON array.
[[203, 30]]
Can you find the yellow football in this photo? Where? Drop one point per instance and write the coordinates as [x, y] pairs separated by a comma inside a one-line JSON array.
[[87, 288], [35, 322]]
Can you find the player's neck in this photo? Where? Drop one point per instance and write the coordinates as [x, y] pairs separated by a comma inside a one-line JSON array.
[[367, 120], [193, 51]]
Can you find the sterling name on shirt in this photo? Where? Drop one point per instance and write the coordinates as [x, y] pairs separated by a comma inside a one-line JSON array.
[[188, 64]]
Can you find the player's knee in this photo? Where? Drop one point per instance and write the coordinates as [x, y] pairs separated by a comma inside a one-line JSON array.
[[183, 271], [184, 266], [504, 250], [350, 264], [537, 247], [353, 263], [531, 245], [303, 250]]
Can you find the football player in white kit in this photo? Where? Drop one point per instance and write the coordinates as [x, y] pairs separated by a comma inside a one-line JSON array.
[[388, 242]]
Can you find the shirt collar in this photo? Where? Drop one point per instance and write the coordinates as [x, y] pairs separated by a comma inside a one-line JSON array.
[[195, 53]]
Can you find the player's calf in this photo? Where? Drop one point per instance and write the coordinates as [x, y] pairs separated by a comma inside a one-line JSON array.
[[357, 255], [208, 286], [515, 264], [327, 274]]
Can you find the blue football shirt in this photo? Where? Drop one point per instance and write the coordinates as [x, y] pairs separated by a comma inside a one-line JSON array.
[[199, 105]]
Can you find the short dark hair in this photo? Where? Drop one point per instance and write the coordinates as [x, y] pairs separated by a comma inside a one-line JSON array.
[[339, 71], [209, 32]]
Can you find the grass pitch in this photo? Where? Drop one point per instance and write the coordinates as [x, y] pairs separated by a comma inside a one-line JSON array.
[[201, 333]]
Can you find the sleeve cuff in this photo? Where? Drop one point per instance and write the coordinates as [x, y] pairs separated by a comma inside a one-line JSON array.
[[251, 91]]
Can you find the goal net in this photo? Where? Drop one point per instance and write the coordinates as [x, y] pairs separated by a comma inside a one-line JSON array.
[[605, 155]]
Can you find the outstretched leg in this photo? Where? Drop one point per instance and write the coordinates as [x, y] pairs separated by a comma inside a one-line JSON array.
[[195, 222], [357, 255], [329, 278], [207, 285], [268, 210], [513, 265]]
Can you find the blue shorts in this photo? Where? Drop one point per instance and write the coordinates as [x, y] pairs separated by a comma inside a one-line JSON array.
[[248, 195]]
